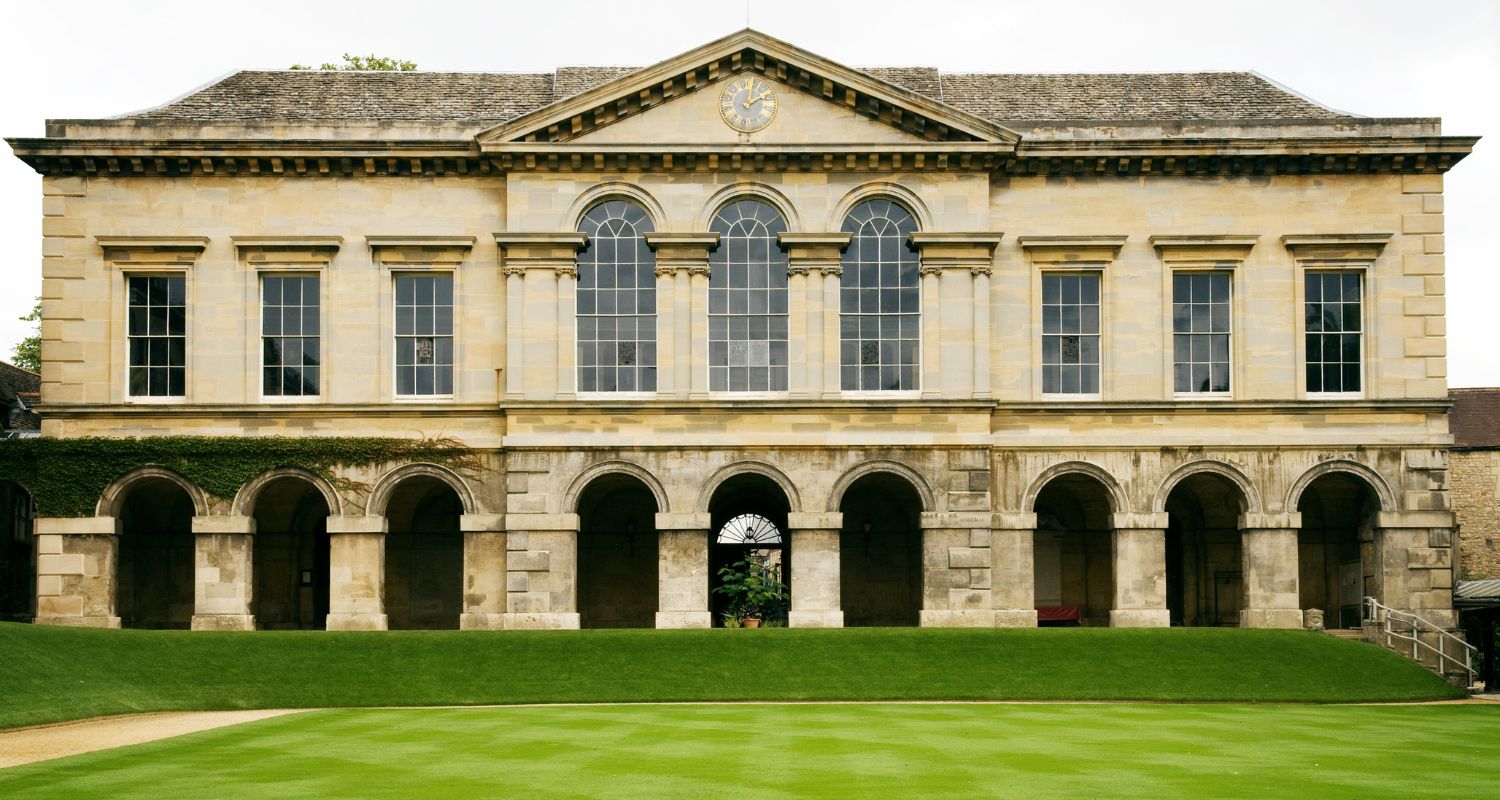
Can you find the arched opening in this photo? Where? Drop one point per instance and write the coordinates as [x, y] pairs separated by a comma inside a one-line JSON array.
[[291, 556], [17, 554], [617, 553], [1073, 561], [1335, 547], [880, 552], [155, 588], [424, 556], [1205, 581], [748, 513]]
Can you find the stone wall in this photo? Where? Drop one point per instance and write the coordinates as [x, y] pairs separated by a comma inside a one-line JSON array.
[[1474, 483]]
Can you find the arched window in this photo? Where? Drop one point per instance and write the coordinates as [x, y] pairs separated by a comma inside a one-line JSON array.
[[747, 300], [880, 325], [616, 301]]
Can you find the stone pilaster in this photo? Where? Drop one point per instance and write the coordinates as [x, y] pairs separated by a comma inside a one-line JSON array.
[[813, 258], [816, 602], [682, 309], [682, 548], [1139, 548], [963, 263], [356, 573], [956, 577], [223, 580], [541, 572], [1269, 549], [538, 305], [77, 564], [484, 572], [1012, 569], [932, 329]]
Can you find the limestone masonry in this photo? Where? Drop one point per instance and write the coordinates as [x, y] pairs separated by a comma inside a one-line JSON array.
[[944, 349]]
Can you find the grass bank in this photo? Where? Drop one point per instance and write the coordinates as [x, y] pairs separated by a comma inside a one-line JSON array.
[[806, 751], [51, 674]]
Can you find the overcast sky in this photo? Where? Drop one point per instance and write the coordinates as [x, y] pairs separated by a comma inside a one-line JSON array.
[[1372, 57]]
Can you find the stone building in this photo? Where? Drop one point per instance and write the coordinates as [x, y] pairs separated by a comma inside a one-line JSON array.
[[1129, 350], [1474, 479]]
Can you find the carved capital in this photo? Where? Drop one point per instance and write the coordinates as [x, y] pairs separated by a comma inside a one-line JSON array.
[[566, 270], [517, 270], [834, 270], [798, 269], [929, 268], [981, 269], [698, 269], [666, 270]]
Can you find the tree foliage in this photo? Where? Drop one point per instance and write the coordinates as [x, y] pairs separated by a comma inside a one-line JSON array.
[[27, 353], [365, 63]]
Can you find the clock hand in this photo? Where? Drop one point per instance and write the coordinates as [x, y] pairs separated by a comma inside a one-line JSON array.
[[758, 98]]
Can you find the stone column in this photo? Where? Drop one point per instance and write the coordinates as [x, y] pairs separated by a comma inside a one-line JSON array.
[[682, 593], [223, 582], [684, 330], [956, 576], [816, 602], [667, 323], [932, 330], [356, 573], [77, 560], [1012, 569], [981, 337], [1414, 564], [541, 572], [1269, 551], [955, 326], [811, 259], [833, 358], [1139, 547], [484, 572], [539, 350]]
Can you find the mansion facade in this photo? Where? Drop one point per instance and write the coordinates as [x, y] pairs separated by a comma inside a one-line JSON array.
[[960, 349]]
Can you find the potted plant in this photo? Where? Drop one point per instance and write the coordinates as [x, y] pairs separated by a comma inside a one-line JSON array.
[[754, 592]]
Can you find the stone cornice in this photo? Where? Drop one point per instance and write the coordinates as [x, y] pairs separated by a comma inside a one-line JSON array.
[[1061, 251], [974, 251], [132, 252], [420, 249], [682, 250], [1222, 251], [1336, 248], [526, 250]]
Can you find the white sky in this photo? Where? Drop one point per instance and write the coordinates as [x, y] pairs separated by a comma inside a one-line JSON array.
[[1374, 57]]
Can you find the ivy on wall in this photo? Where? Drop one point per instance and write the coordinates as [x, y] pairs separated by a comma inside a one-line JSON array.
[[67, 476]]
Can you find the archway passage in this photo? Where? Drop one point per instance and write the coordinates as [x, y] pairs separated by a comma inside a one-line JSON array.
[[1205, 579], [1072, 554], [617, 554], [291, 556], [1335, 547], [424, 556], [155, 588], [17, 554], [880, 552], [748, 513]]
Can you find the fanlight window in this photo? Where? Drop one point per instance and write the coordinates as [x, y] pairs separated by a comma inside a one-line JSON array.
[[749, 529], [880, 300], [616, 301], [747, 300]]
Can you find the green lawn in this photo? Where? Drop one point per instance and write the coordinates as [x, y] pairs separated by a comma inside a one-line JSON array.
[[783, 751], [51, 674]]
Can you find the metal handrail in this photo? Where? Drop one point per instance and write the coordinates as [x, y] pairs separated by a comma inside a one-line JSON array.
[[1385, 618]]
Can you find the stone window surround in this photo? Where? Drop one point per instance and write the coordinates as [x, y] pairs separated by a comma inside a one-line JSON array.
[[1063, 254], [1204, 253], [1336, 252], [133, 256], [285, 255], [398, 254]]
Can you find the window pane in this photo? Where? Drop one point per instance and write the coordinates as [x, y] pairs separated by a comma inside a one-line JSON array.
[[156, 335], [879, 285], [1202, 323], [1334, 315], [616, 299]]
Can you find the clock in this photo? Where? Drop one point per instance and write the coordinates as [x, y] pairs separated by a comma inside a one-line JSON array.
[[747, 104]]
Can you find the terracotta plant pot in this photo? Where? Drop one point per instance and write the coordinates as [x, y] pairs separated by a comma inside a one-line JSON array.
[[750, 622]]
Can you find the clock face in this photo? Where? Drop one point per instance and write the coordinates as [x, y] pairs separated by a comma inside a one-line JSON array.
[[747, 104]]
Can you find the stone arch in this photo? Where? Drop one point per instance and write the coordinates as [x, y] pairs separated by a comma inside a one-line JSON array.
[[1117, 500], [246, 497], [891, 191], [911, 476], [113, 497], [600, 192], [1370, 477], [724, 473], [1248, 493], [381, 495], [590, 473], [757, 191]]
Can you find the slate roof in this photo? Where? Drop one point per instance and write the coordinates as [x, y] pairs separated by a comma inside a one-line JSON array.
[[494, 97], [26, 385], [1474, 419]]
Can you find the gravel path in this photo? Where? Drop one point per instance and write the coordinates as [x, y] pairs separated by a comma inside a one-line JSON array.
[[44, 742]]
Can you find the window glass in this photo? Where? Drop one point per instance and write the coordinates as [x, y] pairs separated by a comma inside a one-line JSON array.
[[747, 300], [290, 342], [1200, 332], [880, 300], [1070, 334], [424, 334], [616, 301], [157, 335], [1335, 331]]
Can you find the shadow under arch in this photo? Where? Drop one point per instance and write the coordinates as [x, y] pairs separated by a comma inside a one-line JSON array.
[[1118, 503], [249, 494], [919, 484], [1372, 479], [112, 499], [729, 471], [580, 483], [1249, 495], [380, 496]]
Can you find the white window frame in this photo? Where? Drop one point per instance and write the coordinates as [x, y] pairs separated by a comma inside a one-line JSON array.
[[288, 271], [1321, 267], [1169, 299], [393, 273]]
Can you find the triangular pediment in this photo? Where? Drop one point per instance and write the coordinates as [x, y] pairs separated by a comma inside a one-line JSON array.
[[822, 103]]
